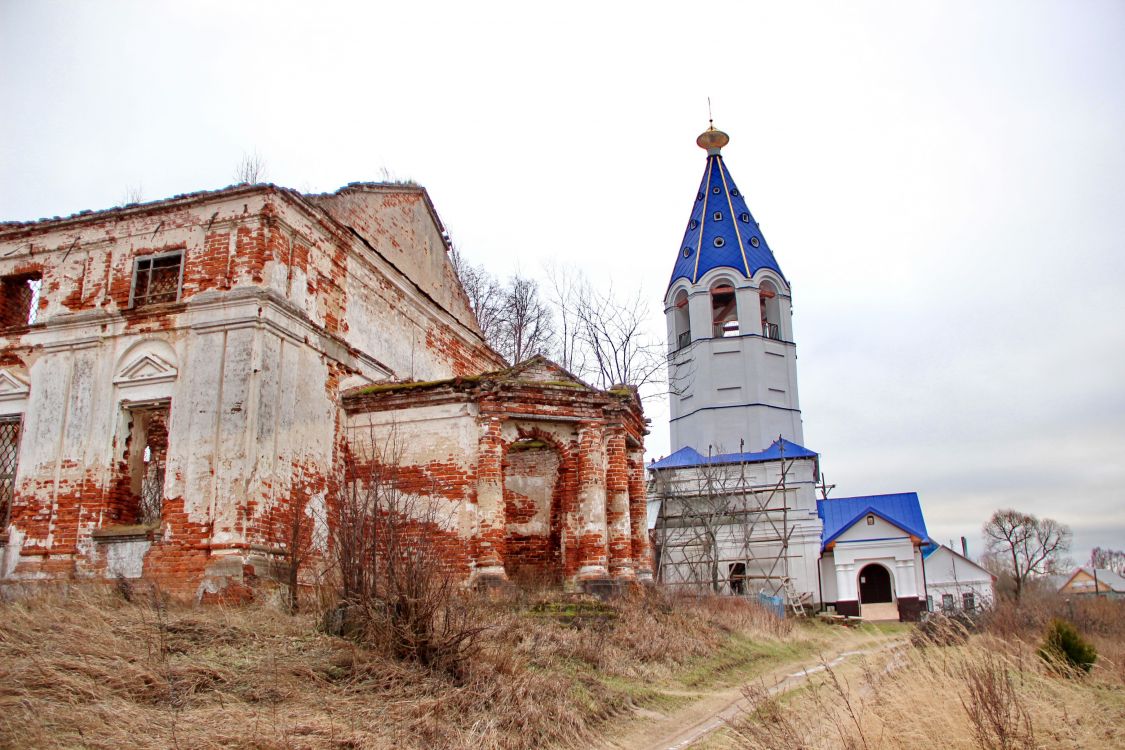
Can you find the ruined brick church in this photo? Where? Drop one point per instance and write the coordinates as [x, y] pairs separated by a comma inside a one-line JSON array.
[[179, 378]]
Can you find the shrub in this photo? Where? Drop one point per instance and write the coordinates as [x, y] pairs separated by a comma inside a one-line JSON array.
[[1063, 646]]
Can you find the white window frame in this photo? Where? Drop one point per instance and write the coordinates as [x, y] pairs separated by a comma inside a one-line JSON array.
[[181, 252]]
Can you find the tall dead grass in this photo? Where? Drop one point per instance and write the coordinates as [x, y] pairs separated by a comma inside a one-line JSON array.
[[82, 667], [987, 690]]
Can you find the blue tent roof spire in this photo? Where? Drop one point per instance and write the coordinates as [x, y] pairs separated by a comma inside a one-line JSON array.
[[721, 231]]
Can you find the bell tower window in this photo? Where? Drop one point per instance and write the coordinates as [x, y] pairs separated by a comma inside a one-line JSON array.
[[682, 320], [724, 310], [770, 310]]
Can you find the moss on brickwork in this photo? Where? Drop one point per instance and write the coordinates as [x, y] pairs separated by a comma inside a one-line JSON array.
[[528, 445], [412, 385]]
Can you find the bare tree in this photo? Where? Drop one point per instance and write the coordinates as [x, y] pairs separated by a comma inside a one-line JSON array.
[[602, 334], [525, 325], [1028, 546], [568, 289], [250, 170], [1108, 559], [399, 590], [298, 546], [133, 194], [599, 335], [618, 350], [486, 297]]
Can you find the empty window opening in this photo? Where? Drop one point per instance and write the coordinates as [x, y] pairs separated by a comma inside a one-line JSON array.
[[19, 299], [770, 311], [157, 279], [947, 602], [146, 453], [724, 310], [682, 320], [738, 578], [9, 457], [968, 602]]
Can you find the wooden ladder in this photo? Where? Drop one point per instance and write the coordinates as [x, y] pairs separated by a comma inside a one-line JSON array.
[[795, 601]]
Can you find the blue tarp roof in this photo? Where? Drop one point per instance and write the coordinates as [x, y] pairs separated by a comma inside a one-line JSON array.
[[686, 457], [901, 509], [720, 214]]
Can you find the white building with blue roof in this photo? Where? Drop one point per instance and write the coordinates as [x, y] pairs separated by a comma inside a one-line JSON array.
[[734, 507], [871, 561]]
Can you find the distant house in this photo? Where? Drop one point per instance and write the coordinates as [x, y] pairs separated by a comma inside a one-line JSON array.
[[954, 582], [1082, 581]]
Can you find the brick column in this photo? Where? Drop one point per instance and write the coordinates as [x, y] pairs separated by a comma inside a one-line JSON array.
[[590, 524], [488, 545], [638, 515], [618, 521]]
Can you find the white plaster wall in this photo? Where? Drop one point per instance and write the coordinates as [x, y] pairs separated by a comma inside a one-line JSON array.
[[899, 556], [804, 524], [727, 390], [252, 406], [950, 573], [417, 437]]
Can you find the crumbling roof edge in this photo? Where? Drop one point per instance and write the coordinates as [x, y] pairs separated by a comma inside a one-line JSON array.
[[394, 187], [499, 377], [131, 209]]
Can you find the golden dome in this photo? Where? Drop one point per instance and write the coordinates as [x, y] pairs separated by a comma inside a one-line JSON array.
[[712, 140]]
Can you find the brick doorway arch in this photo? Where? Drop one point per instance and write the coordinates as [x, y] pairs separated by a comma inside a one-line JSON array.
[[536, 471]]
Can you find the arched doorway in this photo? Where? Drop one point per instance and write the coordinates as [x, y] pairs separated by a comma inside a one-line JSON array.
[[875, 585]]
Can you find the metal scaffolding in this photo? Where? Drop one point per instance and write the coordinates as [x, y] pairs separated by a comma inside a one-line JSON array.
[[718, 532]]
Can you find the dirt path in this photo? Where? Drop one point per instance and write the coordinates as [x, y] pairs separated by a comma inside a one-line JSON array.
[[681, 729]]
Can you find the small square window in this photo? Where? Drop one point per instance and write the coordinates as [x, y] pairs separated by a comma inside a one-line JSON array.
[[157, 279], [870, 519]]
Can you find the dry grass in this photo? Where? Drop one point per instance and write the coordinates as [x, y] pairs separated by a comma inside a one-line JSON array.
[[82, 667], [988, 691]]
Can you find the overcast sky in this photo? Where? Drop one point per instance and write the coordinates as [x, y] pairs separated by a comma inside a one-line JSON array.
[[944, 185]]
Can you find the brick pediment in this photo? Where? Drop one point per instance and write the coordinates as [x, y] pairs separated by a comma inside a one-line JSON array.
[[539, 369]]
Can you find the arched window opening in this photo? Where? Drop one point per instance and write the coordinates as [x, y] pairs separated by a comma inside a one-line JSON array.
[[682, 320], [724, 311], [771, 311]]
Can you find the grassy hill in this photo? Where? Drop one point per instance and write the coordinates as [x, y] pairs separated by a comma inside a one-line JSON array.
[[82, 667]]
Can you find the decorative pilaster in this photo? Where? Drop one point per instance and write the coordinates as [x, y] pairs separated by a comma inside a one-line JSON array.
[[488, 545], [618, 520], [591, 521], [906, 580], [638, 517], [845, 584]]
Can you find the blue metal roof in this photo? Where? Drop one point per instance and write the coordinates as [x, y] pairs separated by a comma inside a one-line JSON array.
[[902, 510], [686, 457], [721, 232]]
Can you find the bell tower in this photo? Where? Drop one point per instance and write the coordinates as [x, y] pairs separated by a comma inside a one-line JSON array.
[[732, 357]]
